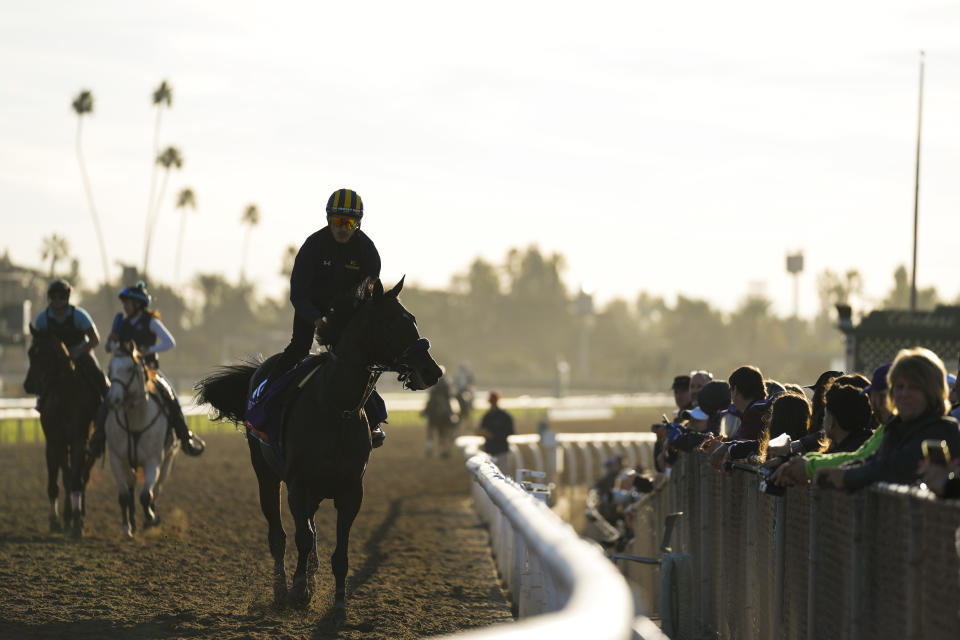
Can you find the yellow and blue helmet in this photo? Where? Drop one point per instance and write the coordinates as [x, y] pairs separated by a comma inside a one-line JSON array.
[[345, 202], [137, 293]]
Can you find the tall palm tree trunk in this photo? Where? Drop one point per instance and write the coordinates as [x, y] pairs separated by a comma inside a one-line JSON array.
[[93, 208], [153, 222], [176, 264], [148, 222]]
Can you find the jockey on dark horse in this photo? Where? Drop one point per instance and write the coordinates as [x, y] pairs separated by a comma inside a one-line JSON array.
[[331, 263], [142, 326], [75, 328]]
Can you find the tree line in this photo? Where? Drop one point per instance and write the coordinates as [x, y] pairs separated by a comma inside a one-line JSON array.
[[515, 322]]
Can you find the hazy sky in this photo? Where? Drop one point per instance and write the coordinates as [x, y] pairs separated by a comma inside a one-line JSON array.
[[668, 147]]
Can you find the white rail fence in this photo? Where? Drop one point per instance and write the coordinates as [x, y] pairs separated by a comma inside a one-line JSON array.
[[560, 585]]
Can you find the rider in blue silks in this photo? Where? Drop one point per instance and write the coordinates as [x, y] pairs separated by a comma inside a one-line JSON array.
[[331, 263], [141, 325]]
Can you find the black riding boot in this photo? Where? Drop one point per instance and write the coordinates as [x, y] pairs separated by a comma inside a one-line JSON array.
[[191, 443], [376, 412]]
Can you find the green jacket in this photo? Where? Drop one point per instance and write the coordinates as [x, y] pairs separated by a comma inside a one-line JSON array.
[[830, 460]]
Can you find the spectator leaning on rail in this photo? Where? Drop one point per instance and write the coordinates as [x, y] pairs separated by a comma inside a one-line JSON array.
[[847, 419], [681, 393], [706, 418], [748, 392], [495, 426], [918, 389], [698, 378]]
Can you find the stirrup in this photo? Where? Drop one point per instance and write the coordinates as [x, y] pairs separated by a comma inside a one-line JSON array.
[[377, 436]]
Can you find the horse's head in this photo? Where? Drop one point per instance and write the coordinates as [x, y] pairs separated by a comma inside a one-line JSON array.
[[387, 335], [49, 359], [128, 376]]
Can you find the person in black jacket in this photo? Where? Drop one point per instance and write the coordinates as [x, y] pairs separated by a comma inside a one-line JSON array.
[[918, 390], [333, 262]]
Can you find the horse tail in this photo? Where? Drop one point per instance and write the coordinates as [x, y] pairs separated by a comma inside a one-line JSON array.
[[226, 390]]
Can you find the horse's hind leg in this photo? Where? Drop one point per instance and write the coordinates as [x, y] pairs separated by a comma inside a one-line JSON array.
[[76, 484], [348, 506], [270, 506], [151, 472]]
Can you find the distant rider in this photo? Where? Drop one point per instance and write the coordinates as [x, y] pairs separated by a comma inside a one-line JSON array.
[[331, 263], [141, 325], [76, 329]]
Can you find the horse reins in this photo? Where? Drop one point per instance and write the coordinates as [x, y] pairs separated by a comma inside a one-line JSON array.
[[397, 365]]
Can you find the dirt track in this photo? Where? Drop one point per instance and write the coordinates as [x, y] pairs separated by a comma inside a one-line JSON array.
[[419, 560]]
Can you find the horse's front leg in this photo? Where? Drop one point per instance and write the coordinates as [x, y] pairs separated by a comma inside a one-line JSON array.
[[56, 460], [270, 506], [77, 459], [126, 480], [151, 471], [302, 508], [348, 506]]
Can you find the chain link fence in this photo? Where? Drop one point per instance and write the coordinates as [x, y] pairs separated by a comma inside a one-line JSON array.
[[880, 563]]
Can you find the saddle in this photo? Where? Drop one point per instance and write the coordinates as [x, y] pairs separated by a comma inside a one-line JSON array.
[[267, 404]]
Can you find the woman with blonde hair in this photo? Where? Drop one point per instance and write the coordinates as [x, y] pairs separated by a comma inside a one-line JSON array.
[[918, 395]]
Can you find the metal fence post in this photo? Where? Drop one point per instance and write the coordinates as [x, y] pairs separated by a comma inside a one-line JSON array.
[[779, 552], [751, 612], [812, 572], [857, 556], [913, 570]]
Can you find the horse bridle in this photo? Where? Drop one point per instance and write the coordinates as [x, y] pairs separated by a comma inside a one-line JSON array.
[[397, 365], [133, 437]]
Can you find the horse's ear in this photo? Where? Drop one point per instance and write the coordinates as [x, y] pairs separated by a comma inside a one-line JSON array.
[[393, 293], [377, 288]]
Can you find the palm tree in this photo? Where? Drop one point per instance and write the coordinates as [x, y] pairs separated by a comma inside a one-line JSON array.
[[251, 218], [162, 97], [169, 159], [82, 105], [54, 248], [185, 200]]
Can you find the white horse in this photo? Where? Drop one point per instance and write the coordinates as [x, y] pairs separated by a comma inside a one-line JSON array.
[[137, 436]]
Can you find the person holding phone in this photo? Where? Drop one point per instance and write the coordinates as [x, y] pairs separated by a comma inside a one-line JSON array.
[[938, 472]]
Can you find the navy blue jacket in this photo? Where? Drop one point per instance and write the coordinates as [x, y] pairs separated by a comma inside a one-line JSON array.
[[325, 269]]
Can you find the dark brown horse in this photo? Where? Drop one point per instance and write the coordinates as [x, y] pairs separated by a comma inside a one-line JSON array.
[[67, 406], [326, 442]]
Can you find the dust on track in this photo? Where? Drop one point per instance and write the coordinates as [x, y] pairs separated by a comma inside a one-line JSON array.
[[419, 558]]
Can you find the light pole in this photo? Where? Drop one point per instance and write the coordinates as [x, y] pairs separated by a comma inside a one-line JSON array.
[[916, 194], [795, 267]]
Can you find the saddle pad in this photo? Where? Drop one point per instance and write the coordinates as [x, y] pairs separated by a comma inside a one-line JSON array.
[[265, 405]]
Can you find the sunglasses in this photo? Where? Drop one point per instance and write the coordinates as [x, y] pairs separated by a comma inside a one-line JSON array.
[[344, 222]]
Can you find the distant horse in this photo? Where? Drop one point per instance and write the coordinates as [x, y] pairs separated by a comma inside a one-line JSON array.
[[326, 437], [442, 420], [138, 436], [67, 405]]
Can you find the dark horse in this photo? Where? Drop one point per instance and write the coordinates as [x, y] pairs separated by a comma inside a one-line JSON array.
[[326, 438], [67, 406]]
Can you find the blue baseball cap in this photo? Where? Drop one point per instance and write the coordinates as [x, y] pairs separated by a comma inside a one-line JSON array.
[[879, 380]]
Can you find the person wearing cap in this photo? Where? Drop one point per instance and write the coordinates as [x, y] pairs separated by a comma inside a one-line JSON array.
[[332, 263], [76, 329], [877, 392], [706, 417], [139, 324], [818, 388], [681, 393]]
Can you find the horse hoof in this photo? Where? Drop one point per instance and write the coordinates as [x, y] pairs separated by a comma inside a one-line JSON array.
[[339, 613], [55, 525], [77, 531], [280, 596], [299, 595]]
